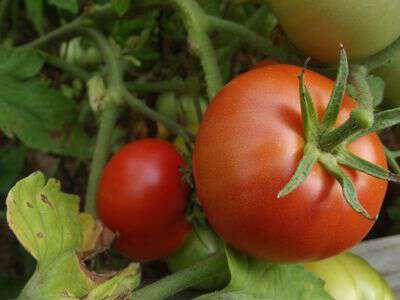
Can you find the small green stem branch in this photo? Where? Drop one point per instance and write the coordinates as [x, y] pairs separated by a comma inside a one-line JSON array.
[[173, 284], [61, 32], [359, 120], [174, 84]]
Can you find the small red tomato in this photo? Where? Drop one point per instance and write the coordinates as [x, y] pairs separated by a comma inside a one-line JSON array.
[[142, 196]]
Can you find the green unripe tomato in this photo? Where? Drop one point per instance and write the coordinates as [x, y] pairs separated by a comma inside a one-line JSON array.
[[195, 250], [349, 277], [75, 52], [316, 27], [182, 108], [390, 73], [166, 104]]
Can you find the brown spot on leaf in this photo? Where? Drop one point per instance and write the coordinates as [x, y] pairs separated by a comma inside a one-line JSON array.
[[30, 205], [39, 235], [45, 200]]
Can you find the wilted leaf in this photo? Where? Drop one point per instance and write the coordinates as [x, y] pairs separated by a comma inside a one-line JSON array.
[[46, 222], [118, 287]]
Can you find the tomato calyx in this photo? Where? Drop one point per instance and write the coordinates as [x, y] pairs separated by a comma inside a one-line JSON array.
[[326, 143]]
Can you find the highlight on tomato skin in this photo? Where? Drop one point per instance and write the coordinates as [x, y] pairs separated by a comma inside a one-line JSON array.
[[142, 197], [239, 177]]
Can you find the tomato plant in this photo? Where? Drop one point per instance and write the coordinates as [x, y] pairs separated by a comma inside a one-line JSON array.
[[143, 197], [349, 277], [217, 190], [239, 178], [318, 27]]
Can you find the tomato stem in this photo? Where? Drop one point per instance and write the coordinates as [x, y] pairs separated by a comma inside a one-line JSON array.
[[179, 281], [65, 30], [359, 119], [100, 155]]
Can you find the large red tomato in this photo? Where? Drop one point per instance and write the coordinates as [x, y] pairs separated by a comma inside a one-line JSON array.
[[142, 196], [248, 147]]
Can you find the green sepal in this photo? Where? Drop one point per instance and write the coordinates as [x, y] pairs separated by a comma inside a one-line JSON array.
[[391, 159], [332, 110], [309, 116], [304, 168], [350, 160], [349, 192]]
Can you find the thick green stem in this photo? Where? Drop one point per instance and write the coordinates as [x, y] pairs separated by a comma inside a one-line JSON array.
[[114, 67], [177, 282], [60, 32], [108, 118], [197, 26], [359, 120], [101, 151]]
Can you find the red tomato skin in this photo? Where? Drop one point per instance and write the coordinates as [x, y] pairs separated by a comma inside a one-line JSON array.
[[248, 147], [150, 247], [141, 193]]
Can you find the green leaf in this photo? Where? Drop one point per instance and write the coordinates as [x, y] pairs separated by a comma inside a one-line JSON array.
[[121, 6], [252, 279], [20, 64], [46, 222], [11, 165], [34, 10], [41, 117], [68, 5]]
